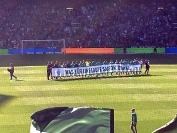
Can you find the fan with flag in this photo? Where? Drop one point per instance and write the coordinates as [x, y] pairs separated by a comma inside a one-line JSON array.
[[73, 120]]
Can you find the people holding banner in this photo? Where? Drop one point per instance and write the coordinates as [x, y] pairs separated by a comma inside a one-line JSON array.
[[68, 65], [135, 62], [87, 64], [76, 65], [120, 62], [92, 63], [59, 66], [56, 66], [105, 63], [72, 65], [83, 63], [126, 63], [63, 65], [80, 65], [98, 67], [111, 62], [117, 62], [98, 63]]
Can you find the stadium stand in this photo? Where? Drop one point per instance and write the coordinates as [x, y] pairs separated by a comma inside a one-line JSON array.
[[113, 23]]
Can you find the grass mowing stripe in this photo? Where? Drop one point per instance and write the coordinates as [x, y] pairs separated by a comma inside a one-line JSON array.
[[96, 98], [12, 120], [32, 88], [24, 128], [52, 100], [58, 93], [120, 106]]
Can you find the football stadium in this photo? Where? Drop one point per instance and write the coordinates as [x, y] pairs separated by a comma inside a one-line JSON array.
[[88, 66]]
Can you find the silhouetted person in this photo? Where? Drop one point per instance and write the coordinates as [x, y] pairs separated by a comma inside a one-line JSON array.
[[11, 71], [124, 50], [48, 70], [155, 50], [147, 67]]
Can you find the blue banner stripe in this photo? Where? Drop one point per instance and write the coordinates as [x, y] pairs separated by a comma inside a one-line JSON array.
[[171, 50], [33, 50]]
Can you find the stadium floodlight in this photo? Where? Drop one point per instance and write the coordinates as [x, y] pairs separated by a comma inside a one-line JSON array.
[[43, 44], [160, 8]]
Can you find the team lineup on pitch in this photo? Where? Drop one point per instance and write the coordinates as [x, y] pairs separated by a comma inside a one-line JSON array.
[[95, 68]]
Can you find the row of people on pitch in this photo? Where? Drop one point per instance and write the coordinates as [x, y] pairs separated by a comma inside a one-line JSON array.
[[87, 63]]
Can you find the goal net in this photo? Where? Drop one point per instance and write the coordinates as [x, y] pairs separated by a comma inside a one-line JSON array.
[[43, 46]]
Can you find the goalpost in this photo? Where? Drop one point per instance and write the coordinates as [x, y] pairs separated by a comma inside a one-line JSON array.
[[45, 46]]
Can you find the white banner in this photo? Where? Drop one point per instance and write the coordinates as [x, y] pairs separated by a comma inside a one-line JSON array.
[[57, 72]]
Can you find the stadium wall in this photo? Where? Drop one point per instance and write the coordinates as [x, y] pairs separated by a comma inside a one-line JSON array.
[[171, 50], [35, 51], [86, 50], [42, 59], [110, 50]]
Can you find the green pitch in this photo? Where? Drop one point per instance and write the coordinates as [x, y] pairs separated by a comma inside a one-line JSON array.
[[154, 97]]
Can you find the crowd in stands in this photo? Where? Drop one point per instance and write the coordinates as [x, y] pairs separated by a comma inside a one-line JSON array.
[[89, 23]]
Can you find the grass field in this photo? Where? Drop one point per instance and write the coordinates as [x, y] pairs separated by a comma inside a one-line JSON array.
[[154, 97]]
